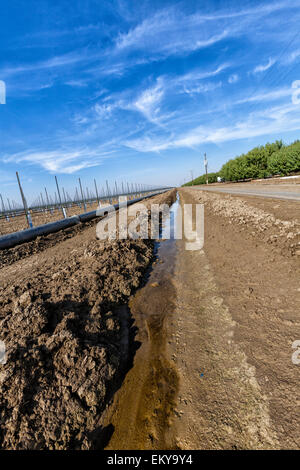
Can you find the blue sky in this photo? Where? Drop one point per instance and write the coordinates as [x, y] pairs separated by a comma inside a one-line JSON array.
[[139, 90]]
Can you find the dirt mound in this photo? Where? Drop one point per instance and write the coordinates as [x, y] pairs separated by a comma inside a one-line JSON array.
[[42, 243], [65, 346], [11, 255], [282, 234]]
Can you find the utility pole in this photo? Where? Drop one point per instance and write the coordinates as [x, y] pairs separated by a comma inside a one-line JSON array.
[[192, 177], [205, 164]]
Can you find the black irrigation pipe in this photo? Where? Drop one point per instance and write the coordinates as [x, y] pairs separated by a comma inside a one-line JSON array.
[[23, 236], [55, 207]]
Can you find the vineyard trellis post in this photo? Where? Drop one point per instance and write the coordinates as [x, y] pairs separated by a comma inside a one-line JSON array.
[[82, 195], [28, 216], [96, 192], [59, 198]]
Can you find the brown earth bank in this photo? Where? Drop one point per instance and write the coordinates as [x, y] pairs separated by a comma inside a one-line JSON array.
[[69, 337], [9, 256], [237, 316]]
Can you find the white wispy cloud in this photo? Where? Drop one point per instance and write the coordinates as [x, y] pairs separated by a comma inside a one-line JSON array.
[[148, 103], [79, 119], [76, 83], [39, 35], [171, 32], [168, 33], [53, 62], [293, 56], [27, 87], [201, 88], [197, 74], [149, 144], [269, 121], [264, 67], [257, 10], [266, 95], [60, 160], [104, 111], [233, 78], [192, 82]]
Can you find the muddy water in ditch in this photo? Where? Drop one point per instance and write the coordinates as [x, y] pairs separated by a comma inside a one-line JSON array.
[[143, 407]]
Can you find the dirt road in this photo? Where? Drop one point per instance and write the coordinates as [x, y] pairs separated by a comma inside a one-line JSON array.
[[238, 314], [274, 191]]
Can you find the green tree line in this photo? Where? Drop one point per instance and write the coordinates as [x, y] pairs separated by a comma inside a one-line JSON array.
[[260, 162], [212, 178]]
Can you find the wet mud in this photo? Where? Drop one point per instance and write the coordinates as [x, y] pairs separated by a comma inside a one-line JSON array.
[[143, 408]]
